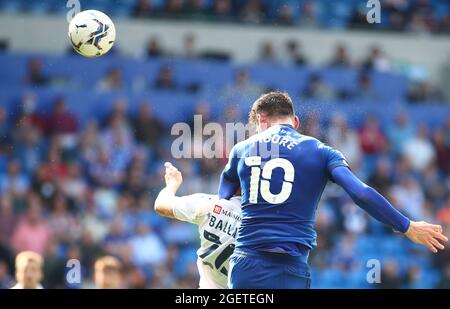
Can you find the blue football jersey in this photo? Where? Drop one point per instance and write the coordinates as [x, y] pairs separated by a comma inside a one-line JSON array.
[[282, 175]]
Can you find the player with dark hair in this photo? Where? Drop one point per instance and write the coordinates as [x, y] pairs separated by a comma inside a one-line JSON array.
[[282, 175]]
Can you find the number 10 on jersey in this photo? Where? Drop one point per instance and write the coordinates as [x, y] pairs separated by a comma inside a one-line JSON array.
[[265, 176]]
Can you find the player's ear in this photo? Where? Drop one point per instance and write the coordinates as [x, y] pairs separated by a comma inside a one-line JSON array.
[[296, 122], [263, 122]]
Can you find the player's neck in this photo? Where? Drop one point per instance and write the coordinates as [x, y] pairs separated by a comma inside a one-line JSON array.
[[278, 122]]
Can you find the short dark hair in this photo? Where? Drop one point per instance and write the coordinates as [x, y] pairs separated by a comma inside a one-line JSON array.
[[272, 105]]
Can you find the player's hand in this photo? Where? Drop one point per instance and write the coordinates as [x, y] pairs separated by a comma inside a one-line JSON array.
[[172, 177], [426, 234]]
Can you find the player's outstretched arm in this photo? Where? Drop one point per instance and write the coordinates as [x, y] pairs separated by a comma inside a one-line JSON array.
[[227, 188], [166, 200], [378, 207], [229, 181]]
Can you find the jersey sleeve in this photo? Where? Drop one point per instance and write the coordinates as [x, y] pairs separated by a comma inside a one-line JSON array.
[[192, 208], [230, 171], [334, 158]]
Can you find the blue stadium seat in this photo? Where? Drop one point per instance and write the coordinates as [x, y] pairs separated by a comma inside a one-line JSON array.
[[85, 76], [279, 77]]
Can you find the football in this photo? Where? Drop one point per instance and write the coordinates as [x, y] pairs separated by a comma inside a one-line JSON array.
[[92, 33]]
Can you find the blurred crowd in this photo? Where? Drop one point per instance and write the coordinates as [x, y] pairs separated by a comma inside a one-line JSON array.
[[73, 188], [418, 16], [79, 192], [397, 15], [419, 89]]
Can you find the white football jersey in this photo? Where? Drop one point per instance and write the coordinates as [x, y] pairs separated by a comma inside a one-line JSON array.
[[218, 223]]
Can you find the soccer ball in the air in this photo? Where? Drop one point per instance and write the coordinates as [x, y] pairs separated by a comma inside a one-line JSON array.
[[92, 33]]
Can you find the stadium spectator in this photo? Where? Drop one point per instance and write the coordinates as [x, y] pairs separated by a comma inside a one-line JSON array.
[[143, 8], [116, 241], [442, 149], [194, 8], [90, 250], [106, 171], [375, 60], [397, 11], [35, 74], [308, 15], [365, 90], [242, 85], [397, 22], [74, 186], [4, 129], [444, 282], [341, 57], [419, 150], [413, 277], [174, 8], [14, 181], [119, 111], [445, 24], [295, 54], [421, 17], [253, 12], [54, 266], [165, 79], [117, 135], [153, 48], [8, 218], [146, 248], [355, 222], [285, 15], [267, 52], [29, 114], [148, 128], [358, 19], [54, 169], [6, 281], [409, 197], [434, 189], [311, 126], [63, 225], [135, 181], [30, 147], [382, 177], [108, 273], [344, 138], [112, 81], [93, 224], [317, 89], [189, 46], [89, 142], [400, 132], [31, 232], [135, 277], [423, 92], [372, 139], [390, 275], [63, 122], [222, 10], [344, 257], [29, 270]]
